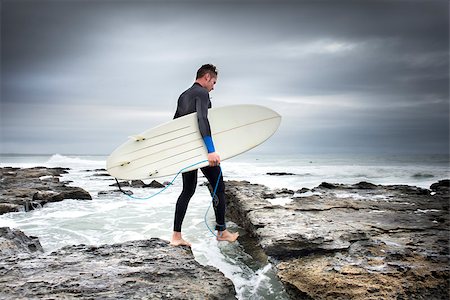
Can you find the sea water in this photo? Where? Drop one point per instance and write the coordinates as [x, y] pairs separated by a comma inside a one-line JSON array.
[[116, 218]]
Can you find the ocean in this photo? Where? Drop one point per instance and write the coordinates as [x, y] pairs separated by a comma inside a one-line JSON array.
[[115, 218]]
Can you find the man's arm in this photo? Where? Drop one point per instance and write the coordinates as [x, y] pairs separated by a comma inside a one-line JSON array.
[[202, 102]]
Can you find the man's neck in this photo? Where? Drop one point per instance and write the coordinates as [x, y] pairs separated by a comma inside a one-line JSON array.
[[199, 83]]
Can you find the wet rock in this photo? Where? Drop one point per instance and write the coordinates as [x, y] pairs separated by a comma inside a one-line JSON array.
[[365, 185], [441, 187], [422, 175], [265, 195], [97, 170], [48, 196], [122, 184], [14, 241], [279, 174], [155, 184], [302, 190], [146, 269], [75, 193], [26, 188], [360, 241], [9, 207], [139, 184], [114, 192], [326, 185], [284, 192], [101, 175]]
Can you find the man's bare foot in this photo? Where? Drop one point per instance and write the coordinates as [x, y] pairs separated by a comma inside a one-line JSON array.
[[227, 236], [180, 242], [177, 240]]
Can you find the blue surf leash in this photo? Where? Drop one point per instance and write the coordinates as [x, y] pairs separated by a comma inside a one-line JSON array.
[[167, 186]]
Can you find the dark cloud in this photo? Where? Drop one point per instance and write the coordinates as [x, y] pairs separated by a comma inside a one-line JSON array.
[[345, 75]]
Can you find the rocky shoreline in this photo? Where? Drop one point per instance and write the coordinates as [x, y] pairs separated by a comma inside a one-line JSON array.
[[361, 241], [142, 269], [335, 241], [24, 189]]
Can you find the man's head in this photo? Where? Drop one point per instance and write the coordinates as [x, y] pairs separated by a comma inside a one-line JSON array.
[[207, 76]]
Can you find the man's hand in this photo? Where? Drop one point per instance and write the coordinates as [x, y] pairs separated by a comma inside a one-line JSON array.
[[213, 159]]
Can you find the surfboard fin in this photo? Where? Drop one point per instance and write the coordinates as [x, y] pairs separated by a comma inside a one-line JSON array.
[[137, 138]]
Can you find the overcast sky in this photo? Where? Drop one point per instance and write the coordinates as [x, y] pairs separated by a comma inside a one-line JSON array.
[[78, 77]]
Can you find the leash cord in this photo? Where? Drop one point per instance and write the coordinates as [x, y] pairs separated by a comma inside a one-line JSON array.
[[212, 200], [155, 194]]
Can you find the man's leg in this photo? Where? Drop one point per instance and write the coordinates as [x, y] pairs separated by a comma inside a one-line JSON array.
[[189, 185], [212, 174]]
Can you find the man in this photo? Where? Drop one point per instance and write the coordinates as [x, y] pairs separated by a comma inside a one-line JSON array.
[[196, 99]]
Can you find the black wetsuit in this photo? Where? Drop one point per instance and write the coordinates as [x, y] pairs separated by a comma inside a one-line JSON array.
[[196, 99]]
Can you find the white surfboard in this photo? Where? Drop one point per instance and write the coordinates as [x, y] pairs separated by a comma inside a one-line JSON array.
[[166, 149]]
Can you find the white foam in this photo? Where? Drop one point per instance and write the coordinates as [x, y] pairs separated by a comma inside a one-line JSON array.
[[343, 195], [424, 211], [66, 215], [58, 160], [4, 222], [280, 201], [307, 194], [260, 278]]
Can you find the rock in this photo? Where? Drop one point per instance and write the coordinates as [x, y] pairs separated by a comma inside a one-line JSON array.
[[48, 196], [359, 241], [137, 183], [132, 183], [146, 269], [96, 170], [42, 197], [422, 175], [9, 207], [114, 192], [326, 185], [14, 241], [101, 175], [365, 185], [284, 192], [442, 186], [155, 184], [75, 193], [122, 184], [302, 190], [279, 174], [277, 193], [265, 195], [27, 188]]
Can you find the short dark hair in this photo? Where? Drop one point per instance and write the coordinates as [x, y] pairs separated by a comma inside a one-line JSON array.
[[208, 68]]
